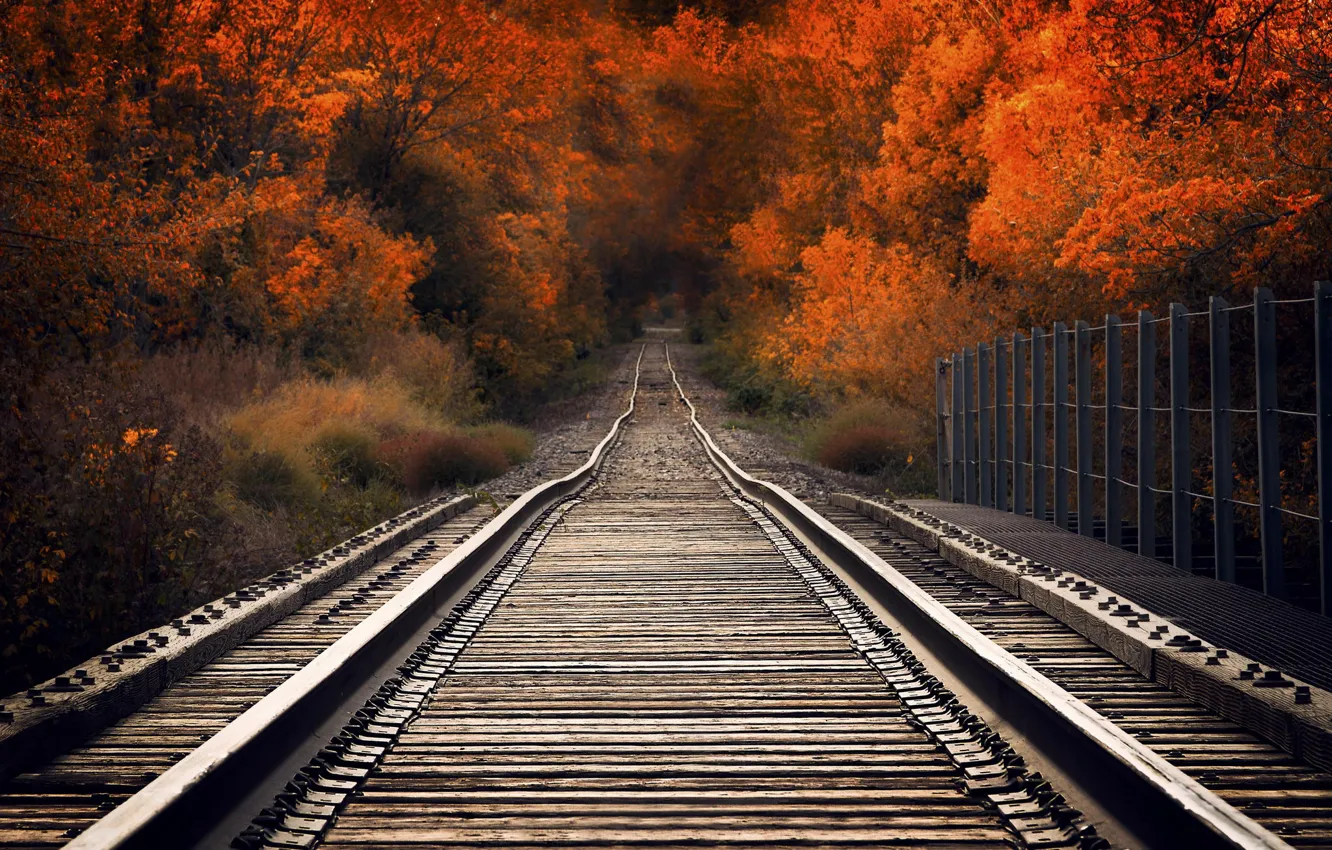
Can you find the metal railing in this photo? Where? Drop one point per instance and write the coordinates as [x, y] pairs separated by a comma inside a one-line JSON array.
[[994, 450]]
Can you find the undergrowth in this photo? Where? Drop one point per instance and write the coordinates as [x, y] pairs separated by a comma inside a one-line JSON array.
[[137, 489], [874, 438], [754, 391], [886, 443]]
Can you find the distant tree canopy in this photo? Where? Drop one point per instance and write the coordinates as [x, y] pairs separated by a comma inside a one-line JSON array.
[[875, 181], [524, 172], [664, 12]]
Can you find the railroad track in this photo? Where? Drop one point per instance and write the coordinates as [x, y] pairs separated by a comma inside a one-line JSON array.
[[659, 650], [54, 802], [1273, 788]]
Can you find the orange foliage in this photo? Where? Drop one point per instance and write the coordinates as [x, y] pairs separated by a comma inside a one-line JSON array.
[[502, 167], [855, 308], [547, 308], [845, 189], [304, 171], [295, 263], [307, 178], [939, 171]]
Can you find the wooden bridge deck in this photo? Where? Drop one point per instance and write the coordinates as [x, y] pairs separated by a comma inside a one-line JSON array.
[[1292, 799], [655, 659], [660, 674], [54, 802]]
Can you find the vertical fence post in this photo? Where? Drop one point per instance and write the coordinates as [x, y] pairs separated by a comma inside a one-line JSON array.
[[1019, 425], [1181, 463], [1269, 455], [1323, 387], [1082, 375], [1061, 424], [1114, 430], [1038, 470], [1223, 472], [984, 400], [1146, 434], [940, 435], [969, 422], [1000, 426], [956, 461]]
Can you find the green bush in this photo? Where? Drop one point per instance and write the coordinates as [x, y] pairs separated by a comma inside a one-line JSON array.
[[756, 391], [516, 443], [346, 454], [750, 397], [271, 480], [430, 460], [344, 510]]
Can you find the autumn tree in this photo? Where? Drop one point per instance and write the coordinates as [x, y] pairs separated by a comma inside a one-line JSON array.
[[293, 175], [1035, 161]]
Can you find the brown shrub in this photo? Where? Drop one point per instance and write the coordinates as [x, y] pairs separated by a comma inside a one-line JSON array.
[[209, 379], [864, 450], [430, 460], [439, 373], [872, 437], [516, 443]]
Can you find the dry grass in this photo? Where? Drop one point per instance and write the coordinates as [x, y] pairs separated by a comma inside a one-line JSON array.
[[221, 384], [516, 443], [210, 380], [290, 419], [359, 432], [354, 432], [438, 373]]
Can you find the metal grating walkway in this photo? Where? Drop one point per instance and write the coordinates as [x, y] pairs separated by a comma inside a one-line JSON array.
[[1266, 629]]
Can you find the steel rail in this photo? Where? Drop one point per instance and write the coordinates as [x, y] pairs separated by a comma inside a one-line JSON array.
[[173, 808], [1151, 797], [53, 717]]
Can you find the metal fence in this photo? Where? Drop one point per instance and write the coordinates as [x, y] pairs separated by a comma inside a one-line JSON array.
[[994, 407]]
